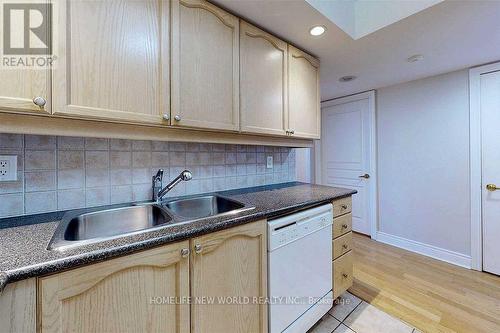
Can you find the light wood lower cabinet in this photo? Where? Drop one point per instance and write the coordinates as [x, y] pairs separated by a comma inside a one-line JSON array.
[[18, 307], [119, 295], [205, 66], [112, 60], [231, 264], [225, 274], [342, 274], [342, 246]]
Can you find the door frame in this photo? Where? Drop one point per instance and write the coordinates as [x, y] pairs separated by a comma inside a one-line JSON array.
[[372, 187], [476, 218]]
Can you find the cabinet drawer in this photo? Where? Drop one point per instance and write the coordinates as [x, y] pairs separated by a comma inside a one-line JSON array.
[[342, 274], [342, 206], [342, 225], [342, 244]]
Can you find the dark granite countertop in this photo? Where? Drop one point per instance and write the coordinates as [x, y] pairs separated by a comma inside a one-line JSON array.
[[24, 240]]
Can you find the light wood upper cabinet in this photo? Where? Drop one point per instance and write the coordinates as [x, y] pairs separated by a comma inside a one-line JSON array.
[[19, 88], [113, 60], [303, 91], [119, 295], [230, 263], [263, 82], [205, 66]]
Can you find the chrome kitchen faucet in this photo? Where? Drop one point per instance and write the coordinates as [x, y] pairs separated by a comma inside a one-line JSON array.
[[159, 192]]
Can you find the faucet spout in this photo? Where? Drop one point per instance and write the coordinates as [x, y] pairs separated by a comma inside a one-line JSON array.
[[185, 175]]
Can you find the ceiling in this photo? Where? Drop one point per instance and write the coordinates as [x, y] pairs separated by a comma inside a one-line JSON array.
[[451, 35]]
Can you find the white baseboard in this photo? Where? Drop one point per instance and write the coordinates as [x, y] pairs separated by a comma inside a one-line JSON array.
[[426, 249]]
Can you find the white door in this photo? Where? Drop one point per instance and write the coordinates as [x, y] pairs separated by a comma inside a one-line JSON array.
[[490, 126], [347, 140]]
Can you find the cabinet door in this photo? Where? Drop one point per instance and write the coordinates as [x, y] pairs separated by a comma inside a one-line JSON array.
[[113, 58], [263, 81], [205, 66], [304, 101], [127, 294], [20, 87], [230, 266]]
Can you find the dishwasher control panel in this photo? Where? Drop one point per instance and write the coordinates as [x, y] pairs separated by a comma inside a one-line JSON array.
[[288, 229]]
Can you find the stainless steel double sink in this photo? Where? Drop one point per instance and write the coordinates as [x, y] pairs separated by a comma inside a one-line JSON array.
[[82, 228]]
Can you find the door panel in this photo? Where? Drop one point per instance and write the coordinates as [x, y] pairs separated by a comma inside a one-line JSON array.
[[119, 295], [263, 81], [18, 88], [490, 124], [205, 66], [230, 263], [345, 154], [113, 60], [303, 94]]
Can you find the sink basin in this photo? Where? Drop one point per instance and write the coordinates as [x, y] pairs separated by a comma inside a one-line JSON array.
[[205, 206], [107, 224]]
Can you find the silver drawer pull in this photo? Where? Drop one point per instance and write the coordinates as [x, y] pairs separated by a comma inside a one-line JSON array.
[[184, 253], [344, 226], [345, 276]]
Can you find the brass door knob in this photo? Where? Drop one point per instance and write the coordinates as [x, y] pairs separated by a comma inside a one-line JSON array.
[[492, 187]]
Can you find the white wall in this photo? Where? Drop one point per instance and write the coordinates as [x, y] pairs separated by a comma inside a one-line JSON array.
[[303, 165], [423, 161]]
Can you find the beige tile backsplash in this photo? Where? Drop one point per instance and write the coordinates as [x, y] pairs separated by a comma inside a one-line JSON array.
[[59, 173]]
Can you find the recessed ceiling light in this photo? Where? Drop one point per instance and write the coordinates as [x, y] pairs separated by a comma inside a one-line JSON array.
[[317, 30], [347, 78], [415, 58]]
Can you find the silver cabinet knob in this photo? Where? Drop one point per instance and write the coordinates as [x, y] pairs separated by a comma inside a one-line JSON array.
[[177, 118], [166, 116], [197, 248], [344, 226], [184, 253], [39, 101], [292, 132], [345, 276], [344, 246]]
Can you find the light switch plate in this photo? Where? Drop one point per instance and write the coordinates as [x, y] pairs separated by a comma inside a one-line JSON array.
[[8, 168], [269, 164]]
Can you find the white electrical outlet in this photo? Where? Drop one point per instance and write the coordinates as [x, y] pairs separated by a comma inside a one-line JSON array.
[[8, 168], [269, 164]]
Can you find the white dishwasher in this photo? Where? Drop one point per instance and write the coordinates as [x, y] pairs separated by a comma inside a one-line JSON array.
[[300, 269]]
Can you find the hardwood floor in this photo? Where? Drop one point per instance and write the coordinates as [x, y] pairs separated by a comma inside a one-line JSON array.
[[429, 294]]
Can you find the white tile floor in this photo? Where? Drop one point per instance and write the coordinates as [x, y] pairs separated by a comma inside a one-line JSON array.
[[352, 315]]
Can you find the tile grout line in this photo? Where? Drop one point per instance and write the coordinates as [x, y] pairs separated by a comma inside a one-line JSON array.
[[343, 321]]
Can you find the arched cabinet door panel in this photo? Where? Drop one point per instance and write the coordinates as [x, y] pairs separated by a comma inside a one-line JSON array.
[[113, 60], [303, 91], [263, 78], [119, 295], [230, 264], [205, 66]]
